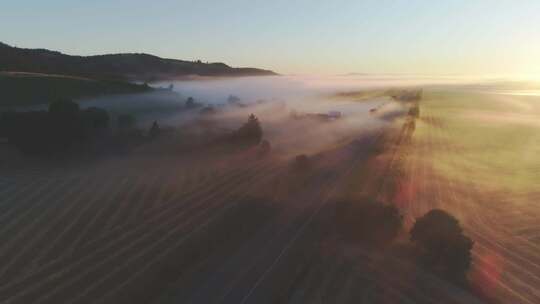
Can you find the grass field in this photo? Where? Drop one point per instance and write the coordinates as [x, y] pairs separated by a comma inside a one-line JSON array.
[[476, 155], [229, 227], [202, 227]]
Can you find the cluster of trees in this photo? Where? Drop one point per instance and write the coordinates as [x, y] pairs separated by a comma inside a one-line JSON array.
[[65, 125], [192, 104], [407, 95], [55, 130], [437, 236], [414, 111]]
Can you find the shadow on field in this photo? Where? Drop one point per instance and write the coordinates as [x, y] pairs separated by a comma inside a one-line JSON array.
[[201, 251]]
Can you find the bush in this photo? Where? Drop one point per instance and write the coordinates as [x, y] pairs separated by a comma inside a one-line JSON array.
[[368, 222], [444, 246], [232, 99]]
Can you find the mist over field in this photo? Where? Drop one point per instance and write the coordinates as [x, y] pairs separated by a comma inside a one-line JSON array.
[[274, 98], [270, 152], [174, 204]]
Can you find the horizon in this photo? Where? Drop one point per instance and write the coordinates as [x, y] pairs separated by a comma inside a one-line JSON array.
[[418, 37], [484, 77]]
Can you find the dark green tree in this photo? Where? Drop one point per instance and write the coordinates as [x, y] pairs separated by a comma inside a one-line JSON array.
[[250, 132], [444, 246]]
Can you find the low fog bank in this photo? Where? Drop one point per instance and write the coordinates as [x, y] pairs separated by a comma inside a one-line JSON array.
[[146, 107], [298, 114], [251, 89], [305, 127]]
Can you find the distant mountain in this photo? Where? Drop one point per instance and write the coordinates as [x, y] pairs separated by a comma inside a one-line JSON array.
[[141, 67]]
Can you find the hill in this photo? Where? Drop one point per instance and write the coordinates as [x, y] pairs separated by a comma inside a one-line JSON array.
[[24, 89], [128, 66]]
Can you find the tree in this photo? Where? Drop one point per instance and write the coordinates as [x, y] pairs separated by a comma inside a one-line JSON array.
[[154, 130], [53, 131], [250, 132], [232, 99], [444, 246], [190, 103]]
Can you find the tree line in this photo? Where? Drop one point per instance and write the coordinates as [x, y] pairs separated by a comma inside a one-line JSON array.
[[65, 125], [437, 236]]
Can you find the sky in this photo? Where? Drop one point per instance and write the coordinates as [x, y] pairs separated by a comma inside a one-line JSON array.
[[469, 37]]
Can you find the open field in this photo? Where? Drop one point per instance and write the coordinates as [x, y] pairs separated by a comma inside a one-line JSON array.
[[227, 226], [476, 156], [216, 227]]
